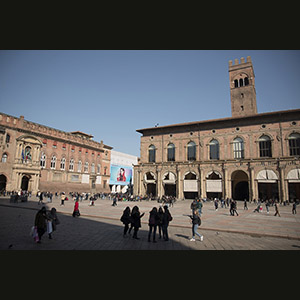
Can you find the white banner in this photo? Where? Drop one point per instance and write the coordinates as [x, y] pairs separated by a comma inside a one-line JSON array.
[[190, 186], [85, 178], [214, 186], [98, 180]]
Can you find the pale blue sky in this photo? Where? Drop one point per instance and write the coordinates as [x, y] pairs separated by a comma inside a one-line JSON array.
[[110, 94]]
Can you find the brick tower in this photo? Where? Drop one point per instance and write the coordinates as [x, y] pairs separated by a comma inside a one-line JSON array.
[[242, 88]]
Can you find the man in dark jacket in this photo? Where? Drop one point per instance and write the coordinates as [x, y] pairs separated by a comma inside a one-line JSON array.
[[165, 222]]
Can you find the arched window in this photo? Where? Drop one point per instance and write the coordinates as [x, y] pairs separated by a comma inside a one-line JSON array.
[[246, 81], [294, 144], [79, 166], [265, 149], [63, 163], [53, 162], [171, 152], [43, 160], [236, 83], [241, 82], [98, 169], [93, 168], [214, 150], [152, 153], [238, 148], [4, 158], [191, 151], [86, 167], [71, 165]]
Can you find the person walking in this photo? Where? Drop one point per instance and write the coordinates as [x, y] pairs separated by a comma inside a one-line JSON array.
[[165, 222], [276, 210], [200, 205], [62, 199], [153, 222], [234, 210], [245, 204], [40, 198], [52, 217], [267, 206], [294, 207], [196, 222], [125, 219], [40, 223], [136, 221], [76, 212]]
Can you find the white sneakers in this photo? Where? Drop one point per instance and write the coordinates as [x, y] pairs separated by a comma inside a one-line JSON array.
[[193, 240]]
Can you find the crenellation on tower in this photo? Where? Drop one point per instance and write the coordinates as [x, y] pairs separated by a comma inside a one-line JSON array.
[[242, 87]]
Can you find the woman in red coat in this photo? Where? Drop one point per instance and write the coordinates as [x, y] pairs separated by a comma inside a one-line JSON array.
[[76, 209]]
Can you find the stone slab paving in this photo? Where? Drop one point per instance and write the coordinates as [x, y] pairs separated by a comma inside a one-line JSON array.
[[99, 228]]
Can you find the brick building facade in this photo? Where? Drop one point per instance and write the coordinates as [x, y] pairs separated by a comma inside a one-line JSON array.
[[36, 157], [248, 155]]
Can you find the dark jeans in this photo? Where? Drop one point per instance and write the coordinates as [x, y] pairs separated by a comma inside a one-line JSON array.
[[125, 229], [152, 227], [135, 231], [165, 232]]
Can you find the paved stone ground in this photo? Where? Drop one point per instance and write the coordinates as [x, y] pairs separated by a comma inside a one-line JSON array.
[[99, 228]]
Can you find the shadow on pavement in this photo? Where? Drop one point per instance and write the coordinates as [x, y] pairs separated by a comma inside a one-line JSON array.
[[79, 233]]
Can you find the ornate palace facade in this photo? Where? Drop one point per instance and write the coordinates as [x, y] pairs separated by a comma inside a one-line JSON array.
[[36, 157], [248, 155]]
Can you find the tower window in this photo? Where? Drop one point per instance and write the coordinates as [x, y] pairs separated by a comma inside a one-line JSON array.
[[242, 108], [241, 82], [236, 83], [246, 81]]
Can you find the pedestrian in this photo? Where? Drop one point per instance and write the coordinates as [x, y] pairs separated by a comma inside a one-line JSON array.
[[276, 210], [136, 221], [62, 199], [114, 201], [52, 217], [294, 207], [40, 223], [160, 216], [76, 212], [196, 222], [216, 202], [267, 206], [126, 219], [165, 222], [153, 222], [231, 207], [245, 205], [40, 198], [200, 205], [234, 210], [194, 205]]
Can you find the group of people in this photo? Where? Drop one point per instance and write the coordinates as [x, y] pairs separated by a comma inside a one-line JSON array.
[[157, 218], [44, 221]]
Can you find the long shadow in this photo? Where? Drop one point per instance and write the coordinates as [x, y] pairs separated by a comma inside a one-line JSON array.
[[79, 233]]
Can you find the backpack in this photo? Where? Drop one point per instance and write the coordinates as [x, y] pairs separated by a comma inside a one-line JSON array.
[[169, 217]]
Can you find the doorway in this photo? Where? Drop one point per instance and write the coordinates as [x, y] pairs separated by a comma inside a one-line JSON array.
[[25, 183], [2, 183], [240, 185]]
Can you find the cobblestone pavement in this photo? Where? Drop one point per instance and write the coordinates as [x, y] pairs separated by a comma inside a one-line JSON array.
[[99, 228]]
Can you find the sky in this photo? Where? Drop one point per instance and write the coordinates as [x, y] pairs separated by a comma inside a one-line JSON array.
[[112, 93]]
